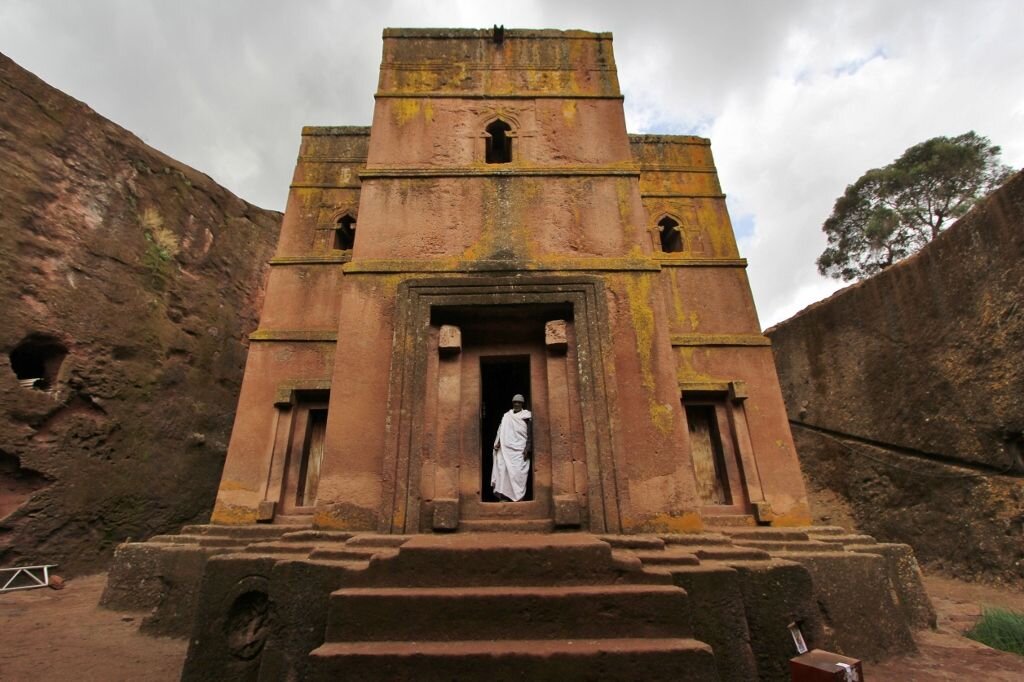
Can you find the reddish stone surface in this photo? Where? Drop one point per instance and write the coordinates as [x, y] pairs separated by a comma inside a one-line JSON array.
[[905, 391], [566, 232], [129, 282]]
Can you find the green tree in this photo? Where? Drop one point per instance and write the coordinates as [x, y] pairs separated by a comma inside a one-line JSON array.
[[892, 211]]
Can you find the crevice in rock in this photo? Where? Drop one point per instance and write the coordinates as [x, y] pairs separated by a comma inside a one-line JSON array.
[[17, 483], [37, 360]]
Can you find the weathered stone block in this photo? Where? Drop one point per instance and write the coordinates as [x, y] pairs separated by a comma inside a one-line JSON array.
[[737, 390], [446, 514], [567, 511], [555, 336], [449, 340], [265, 512]]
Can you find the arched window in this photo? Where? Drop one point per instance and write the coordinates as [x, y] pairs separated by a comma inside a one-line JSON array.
[[345, 233], [499, 144], [671, 235]]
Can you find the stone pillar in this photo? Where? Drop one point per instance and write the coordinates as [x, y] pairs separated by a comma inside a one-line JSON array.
[[278, 459], [563, 489], [448, 444]]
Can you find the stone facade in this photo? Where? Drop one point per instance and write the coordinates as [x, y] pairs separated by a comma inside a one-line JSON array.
[[496, 232], [498, 198]]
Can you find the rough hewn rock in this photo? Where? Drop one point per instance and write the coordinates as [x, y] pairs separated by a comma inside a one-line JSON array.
[[905, 394], [128, 284]]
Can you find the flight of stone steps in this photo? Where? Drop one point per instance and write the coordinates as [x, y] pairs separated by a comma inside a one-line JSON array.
[[497, 605], [503, 607]]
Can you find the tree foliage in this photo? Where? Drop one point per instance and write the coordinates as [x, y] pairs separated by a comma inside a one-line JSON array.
[[891, 212]]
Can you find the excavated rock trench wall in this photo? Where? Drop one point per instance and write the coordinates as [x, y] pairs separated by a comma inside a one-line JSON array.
[[128, 284], [905, 395]]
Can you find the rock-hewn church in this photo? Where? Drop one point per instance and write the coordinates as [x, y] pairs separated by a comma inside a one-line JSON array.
[[497, 233]]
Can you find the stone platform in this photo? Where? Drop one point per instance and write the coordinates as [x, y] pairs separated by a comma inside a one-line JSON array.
[[270, 602]]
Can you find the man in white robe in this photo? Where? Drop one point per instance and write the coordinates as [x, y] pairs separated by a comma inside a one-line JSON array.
[[512, 449]]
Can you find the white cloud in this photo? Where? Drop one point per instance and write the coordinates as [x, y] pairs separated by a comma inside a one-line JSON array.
[[799, 97]]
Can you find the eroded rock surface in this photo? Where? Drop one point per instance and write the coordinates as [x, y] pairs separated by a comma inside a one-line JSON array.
[[904, 392], [128, 285]]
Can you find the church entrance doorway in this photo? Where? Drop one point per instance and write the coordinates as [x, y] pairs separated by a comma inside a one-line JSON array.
[[501, 377]]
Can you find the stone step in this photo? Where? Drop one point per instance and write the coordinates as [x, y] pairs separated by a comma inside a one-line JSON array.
[[248, 531], [316, 536], [729, 553], [303, 548], [776, 534], [634, 541], [827, 530], [377, 540], [507, 612], [346, 553], [577, 659], [501, 559], [292, 521], [712, 521], [785, 546], [694, 539], [506, 526], [669, 557], [848, 539], [201, 540]]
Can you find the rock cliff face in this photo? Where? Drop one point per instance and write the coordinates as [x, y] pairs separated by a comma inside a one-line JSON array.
[[128, 285], [905, 394]]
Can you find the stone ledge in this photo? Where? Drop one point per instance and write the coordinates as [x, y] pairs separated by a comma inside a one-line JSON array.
[[304, 335], [512, 171], [720, 340], [375, 266]]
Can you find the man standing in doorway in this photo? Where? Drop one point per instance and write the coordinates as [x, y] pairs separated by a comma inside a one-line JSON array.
[[512, 449]]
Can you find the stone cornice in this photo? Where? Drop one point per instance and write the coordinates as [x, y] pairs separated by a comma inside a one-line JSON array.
[[666, 261], [300, 335], [448, 265], [485, 171]]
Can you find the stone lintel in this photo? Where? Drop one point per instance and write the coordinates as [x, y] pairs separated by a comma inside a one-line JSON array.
[[284, 396]]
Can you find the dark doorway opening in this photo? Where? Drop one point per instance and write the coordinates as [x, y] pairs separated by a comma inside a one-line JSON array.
[[37, 359], [500, 379]]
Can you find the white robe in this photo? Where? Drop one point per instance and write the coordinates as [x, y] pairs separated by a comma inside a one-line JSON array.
[[511, 468]]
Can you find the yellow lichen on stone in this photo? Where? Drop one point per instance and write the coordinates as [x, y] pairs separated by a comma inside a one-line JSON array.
[[687, 522], [797, 515], [569, 111], [638, 292], [661, 416], [405, 110], [232, 515]]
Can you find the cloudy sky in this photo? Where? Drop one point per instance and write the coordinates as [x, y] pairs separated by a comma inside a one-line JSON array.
[[798, 97]]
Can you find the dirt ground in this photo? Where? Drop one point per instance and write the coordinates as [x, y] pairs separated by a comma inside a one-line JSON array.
[[55, 636]]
